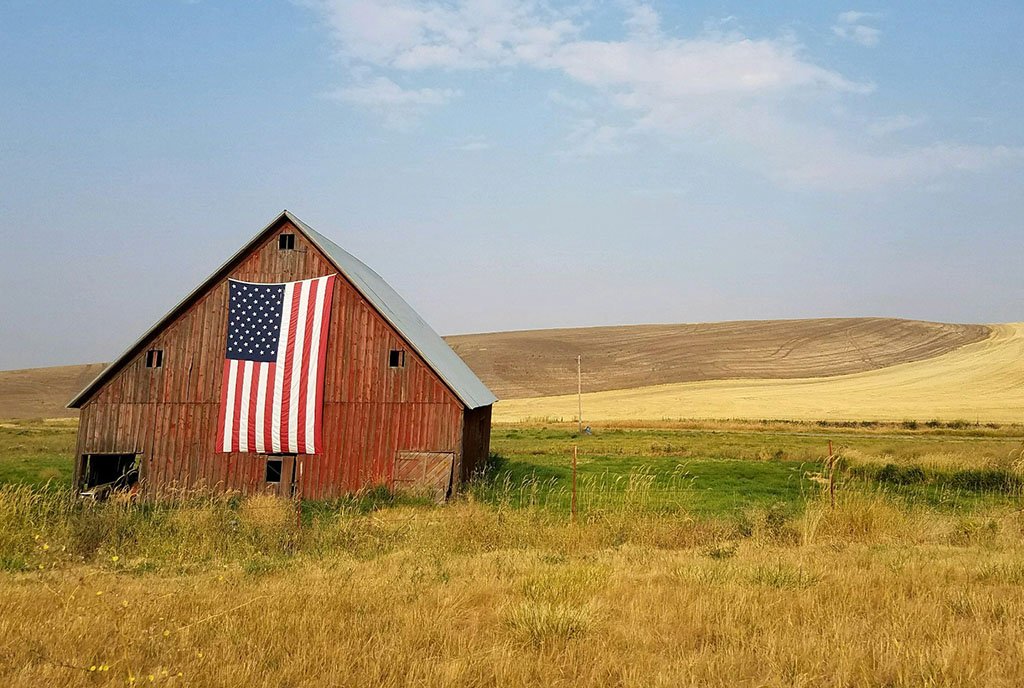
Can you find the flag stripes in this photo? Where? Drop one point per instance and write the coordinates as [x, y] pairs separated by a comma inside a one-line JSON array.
[[275, 405]]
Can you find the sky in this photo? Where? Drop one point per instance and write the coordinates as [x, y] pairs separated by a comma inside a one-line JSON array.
[[510, 164]]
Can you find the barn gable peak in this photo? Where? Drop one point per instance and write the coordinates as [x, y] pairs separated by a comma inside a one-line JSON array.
[[452, 370]]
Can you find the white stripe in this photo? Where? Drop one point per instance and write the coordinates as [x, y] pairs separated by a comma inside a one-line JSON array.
[[314, 360], [282, 346], [243, 411], [297, 365], [261, 403], [229, 406]]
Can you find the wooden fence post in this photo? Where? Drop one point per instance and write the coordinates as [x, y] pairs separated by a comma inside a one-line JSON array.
[[574, 452]]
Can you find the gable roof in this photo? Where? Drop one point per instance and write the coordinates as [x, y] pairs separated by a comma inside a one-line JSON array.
[[452, 370]]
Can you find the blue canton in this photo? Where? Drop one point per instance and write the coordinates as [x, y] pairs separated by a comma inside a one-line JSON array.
[[254, 321]]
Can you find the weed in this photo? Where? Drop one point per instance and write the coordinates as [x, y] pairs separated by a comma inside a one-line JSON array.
[[542, 623]]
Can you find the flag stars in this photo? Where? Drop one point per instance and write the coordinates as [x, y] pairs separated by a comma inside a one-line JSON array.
[[254, 314]]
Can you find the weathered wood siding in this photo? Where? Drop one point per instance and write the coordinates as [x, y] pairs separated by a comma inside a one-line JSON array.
[[371, 411]]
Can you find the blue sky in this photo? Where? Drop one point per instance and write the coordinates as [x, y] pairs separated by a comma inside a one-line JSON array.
[[509, 164]]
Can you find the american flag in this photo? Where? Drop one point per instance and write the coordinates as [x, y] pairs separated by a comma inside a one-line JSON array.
[[272, 394]]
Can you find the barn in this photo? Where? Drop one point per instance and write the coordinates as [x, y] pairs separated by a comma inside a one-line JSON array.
[[395, 406]]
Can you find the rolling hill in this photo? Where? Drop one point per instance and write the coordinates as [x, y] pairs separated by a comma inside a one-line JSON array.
[[538, 363], [633, 365], [979, 382], [43, 392]]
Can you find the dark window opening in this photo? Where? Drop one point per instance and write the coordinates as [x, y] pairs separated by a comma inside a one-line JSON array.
[[274, 470], [155, 358], [396, 358], [105, 473], [286, 242]]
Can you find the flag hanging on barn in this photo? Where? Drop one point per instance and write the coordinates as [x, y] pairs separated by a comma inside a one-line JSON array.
[[272, 392]]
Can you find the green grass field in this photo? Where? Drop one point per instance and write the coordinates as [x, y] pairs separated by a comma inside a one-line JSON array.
[[723, 469], [37, 452], [710, 468]]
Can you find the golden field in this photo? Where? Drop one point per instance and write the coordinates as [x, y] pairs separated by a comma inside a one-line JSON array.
[[868, 594], [702, 556], [982, 381]]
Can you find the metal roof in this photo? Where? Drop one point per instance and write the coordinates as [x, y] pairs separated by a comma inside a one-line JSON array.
[[407, 322]]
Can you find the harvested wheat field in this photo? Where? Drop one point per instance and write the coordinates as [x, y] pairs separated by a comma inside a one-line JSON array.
[[43, 392], [536, 363], [981, 381], [541, 363]]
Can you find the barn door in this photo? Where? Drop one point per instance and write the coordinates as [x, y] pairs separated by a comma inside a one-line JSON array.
[[425, 473], [280, 475]]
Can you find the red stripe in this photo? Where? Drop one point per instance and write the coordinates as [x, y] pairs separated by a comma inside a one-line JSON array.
[[321, 363], [307, 345], [254, 385], [223, 405], [289, 355], [268, 410], [239, 374]]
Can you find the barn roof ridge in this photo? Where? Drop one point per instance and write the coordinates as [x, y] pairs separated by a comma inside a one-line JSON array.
[[437, 354]]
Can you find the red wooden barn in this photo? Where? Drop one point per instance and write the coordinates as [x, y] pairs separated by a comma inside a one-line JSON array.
[[399, 407]]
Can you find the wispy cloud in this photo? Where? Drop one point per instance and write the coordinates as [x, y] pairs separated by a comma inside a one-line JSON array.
[[590, 138], [399, 106], [464, 34], [884, 126], [857, 27], [760, 101]]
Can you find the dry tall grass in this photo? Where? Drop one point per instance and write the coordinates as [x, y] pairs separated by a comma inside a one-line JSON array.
[[219, 592]]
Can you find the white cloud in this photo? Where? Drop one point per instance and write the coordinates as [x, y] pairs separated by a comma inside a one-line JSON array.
[[464, 34], [856, 27], [762, 102], [400, 107], [643, 21], [677, 69], [574, 104], [590, 138]]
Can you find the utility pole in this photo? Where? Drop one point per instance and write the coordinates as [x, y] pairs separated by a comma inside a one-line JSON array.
[[579, 392]]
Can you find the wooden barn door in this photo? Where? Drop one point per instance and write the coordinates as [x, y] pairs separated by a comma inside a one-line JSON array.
[[427, 473], [280, 475]]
